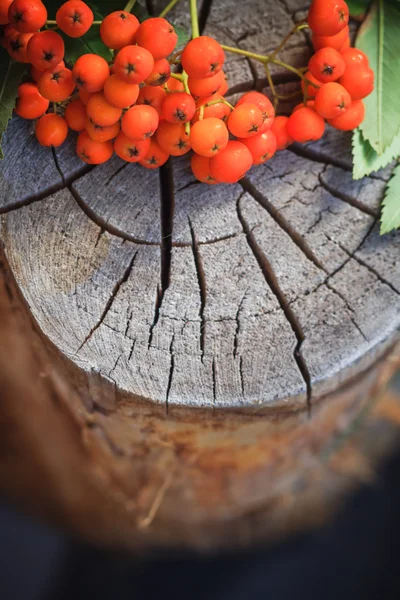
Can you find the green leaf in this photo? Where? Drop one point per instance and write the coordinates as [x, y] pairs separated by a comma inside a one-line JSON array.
[[183, 36], [10, 77], [366, 160], [390, 217], [358, 8], [90, 43], [379, 38]]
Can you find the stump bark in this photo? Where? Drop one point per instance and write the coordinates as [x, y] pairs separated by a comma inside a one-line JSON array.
[[194, 365]]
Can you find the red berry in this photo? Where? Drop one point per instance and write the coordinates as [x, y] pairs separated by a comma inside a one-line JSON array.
[[331, 100], [207, 86], [279, 129], [56, 85], [118, 29], [358, 81], [202, 57], [130, 150], [155, 157], [27, 16], [174, 85], [75, 115], [209, 136], [140, 122], [172, 138], [327, 65], [332, 41], [74, 18], [305, 125], [133, 64], [30, 103], [90, 73], [309, 104], [46, 49], [262, 146], [51, 130], [178, 108], [160, 74], [220, 110], [152, 96], [328, 17], [231, 163], [102, 112], [157, 36], [308, 89], [4, 6], [17, 45], [350, 119], [246, 120], [201, 169], [99, 133], [119, 93], [263, 103], [92, 152], [354, 56]]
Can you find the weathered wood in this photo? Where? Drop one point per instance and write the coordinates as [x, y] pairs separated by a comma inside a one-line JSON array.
[[155, 294]]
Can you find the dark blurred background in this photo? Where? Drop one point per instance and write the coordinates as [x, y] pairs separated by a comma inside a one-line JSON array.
[[356, 556]]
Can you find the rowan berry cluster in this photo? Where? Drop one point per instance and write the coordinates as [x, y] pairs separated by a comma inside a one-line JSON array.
[[149, 104]]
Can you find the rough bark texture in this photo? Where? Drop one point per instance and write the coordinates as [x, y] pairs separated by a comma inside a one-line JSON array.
[[189, 334]]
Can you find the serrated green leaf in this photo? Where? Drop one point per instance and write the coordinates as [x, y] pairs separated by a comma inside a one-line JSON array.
[[379, 38], [390, 217], [366, 160], [183, 36], [10, 77]]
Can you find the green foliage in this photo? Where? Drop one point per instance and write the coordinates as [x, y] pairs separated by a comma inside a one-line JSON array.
[[358, 8], [10, 78], [366, 160], [183, 36], [379, 38], [391, 204]]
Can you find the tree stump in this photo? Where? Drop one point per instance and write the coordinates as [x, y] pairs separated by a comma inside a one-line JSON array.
[[194, 365]]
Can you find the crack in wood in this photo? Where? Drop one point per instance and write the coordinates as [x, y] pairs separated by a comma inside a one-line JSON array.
[[201, 279], [273, 284], [110, 301], [171, 372], [314, 155], [296, 237], [345, 197], [204, 13], [237, 330], [349, 307]]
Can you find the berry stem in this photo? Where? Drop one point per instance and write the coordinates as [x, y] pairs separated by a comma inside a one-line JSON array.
[[185, 82], [169, 7], [272, 86], [177, 76], [297, 27], [194, 18], [216, 102], [129, 5], [260, 57], [201, 112]]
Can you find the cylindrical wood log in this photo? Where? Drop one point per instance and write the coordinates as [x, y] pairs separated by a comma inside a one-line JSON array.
[[188, 365]]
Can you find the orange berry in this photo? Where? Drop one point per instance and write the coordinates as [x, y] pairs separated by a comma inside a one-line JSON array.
[[305, 125], [90, 72], [118, 29], [74, 18], [130, 150], [27, 16], [350, 119], [246, 120], [133, 64], [220, 110], [102, 112], [279, 129], [174, 85], [4, 6], [119, 93], [327, 65], [5, 33], [328, 17], [51, 130], [224, 88], [155, 156], [331, 100], [56, 85], [83, 94], [92, 152], [308, 89], [332, 41], [17, 45], [358, 81], [46, 49], [160, 74], [201, 169], [209, 136], [75, 115], [37, 73], [140, 122], [101, 134], [263, 103], [172, 138], [157, 36], [207, 86], [178, 108], [152, 96], [262, 147], [354, 56], [202, 57], [30, 103], [309, 104], [231, 163]]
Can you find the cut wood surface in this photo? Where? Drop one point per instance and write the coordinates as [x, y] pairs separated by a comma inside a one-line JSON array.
[[153, 290]]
